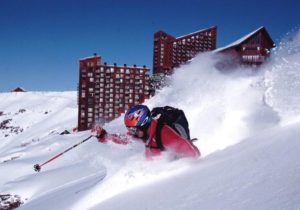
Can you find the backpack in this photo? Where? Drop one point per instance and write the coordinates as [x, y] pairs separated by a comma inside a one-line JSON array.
[[173, 117]]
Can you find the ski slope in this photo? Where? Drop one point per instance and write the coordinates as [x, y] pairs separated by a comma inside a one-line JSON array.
[[247, 124]]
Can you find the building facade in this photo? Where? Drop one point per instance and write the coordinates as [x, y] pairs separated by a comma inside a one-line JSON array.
[[254, 48], [107, 91], [170, 52]]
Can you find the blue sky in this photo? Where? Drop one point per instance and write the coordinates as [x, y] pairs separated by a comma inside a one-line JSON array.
[[42, 41]]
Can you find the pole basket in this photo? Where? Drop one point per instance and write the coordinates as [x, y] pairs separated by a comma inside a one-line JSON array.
[[37, 167]]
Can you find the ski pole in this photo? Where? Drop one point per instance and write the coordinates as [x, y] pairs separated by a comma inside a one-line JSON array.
[[37, 167]]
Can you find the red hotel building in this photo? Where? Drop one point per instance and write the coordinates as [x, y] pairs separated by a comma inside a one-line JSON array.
[[107, 91], [170, 52]]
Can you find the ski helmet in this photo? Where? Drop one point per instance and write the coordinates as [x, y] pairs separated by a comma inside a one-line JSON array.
[[137, 117]]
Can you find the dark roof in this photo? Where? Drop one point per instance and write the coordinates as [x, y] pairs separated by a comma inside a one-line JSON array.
[[18, 89]]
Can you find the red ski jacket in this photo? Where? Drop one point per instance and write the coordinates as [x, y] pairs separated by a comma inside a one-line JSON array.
[[171, 141]]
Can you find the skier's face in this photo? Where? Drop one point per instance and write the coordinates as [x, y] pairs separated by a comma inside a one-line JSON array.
[[136, 132], [139, 133]]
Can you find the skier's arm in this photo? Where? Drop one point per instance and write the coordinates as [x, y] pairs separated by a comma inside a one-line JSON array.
[[117, 138], [105, 137]]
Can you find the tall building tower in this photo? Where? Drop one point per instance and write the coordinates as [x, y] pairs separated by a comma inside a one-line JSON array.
[[170, 52], [107, 91]]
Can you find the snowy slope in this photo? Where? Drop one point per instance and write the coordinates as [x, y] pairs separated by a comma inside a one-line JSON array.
[[260, 173], [247, 123]]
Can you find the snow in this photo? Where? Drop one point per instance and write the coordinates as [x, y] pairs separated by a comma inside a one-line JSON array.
[[247, 124], [251, 175]]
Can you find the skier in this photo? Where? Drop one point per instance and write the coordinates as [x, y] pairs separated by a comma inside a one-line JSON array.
[[158, 134]]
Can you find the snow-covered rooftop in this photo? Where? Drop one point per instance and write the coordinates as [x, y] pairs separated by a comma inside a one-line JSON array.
[[239, 41], [90, 57], [190, 34]]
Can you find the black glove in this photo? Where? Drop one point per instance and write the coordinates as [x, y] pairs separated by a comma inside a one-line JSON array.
[[101, 134]]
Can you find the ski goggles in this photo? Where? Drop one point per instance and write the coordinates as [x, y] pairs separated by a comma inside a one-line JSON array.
[[132, 130]]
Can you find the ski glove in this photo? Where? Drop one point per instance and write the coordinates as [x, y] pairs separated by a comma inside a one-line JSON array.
[[101, 135]]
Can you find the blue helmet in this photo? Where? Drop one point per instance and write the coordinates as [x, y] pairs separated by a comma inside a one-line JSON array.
[[137, 116]]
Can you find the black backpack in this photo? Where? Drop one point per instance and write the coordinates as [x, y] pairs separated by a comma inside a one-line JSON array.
[[173, 117]]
